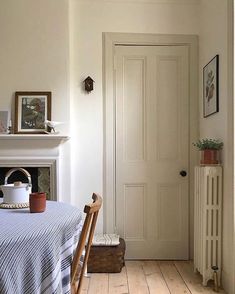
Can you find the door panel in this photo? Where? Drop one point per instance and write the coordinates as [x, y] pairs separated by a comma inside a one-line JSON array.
[[151, 148], [167, 103], [134, 110], [134, 222]]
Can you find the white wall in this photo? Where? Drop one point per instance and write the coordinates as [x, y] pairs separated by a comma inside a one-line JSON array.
[[34, 56], [213, 39], [88, 20]]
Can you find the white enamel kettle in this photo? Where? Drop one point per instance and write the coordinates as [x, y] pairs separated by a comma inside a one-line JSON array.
[[17, 192]]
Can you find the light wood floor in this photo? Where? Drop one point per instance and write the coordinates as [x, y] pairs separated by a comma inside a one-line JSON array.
[[148, 277]]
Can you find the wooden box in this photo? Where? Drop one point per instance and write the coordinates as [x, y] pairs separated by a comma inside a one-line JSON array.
[[106, 259]]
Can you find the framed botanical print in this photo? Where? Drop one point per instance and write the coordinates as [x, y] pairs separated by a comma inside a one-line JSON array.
[[31, 111], [211, 87]]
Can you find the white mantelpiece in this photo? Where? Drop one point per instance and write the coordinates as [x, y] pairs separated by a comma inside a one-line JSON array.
[[47, 137]]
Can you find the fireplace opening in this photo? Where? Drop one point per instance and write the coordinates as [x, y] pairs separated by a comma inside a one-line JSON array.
[[40, 177]]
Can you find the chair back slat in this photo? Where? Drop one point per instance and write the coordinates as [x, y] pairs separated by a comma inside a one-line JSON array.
[[88, 229]]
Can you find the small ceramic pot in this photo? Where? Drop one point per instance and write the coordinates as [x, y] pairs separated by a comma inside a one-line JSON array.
[[37, 202], [209, 156]]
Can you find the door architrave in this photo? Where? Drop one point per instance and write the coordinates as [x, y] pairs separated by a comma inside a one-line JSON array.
[[110, 40]]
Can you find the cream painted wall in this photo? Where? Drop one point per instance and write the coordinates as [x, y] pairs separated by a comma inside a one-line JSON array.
[[34, 56], [213, 39], [89, 19]]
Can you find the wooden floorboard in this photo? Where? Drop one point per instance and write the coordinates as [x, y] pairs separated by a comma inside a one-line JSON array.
[[154, 278], [148, 277], [118, 283], [85, 285], [173, 279], [137, 283], [98, 284]]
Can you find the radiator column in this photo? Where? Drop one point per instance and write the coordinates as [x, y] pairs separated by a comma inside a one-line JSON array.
[[207, 221]]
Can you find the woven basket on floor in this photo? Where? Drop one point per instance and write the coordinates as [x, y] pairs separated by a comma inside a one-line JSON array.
[[106, 259]]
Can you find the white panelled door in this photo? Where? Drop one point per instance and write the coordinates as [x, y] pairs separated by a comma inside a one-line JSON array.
[[152, 137]]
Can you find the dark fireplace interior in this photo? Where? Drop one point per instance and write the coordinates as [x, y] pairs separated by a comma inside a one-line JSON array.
[[40, 177]]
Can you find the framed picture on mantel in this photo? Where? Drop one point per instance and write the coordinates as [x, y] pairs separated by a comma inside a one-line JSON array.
[[31, 111]]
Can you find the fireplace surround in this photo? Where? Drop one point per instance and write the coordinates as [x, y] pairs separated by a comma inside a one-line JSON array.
[[34, 152]]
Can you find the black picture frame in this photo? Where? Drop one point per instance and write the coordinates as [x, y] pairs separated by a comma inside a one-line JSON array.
[[211, 87]]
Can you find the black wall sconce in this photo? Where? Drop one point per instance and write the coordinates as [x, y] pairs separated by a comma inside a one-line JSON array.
[[89, 84]]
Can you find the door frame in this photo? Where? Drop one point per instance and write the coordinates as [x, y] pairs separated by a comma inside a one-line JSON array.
[[109, 175]]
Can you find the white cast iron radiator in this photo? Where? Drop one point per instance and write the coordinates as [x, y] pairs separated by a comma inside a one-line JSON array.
[[207, 221]]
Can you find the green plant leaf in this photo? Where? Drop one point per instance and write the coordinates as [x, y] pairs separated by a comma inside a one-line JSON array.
[[206, 143]]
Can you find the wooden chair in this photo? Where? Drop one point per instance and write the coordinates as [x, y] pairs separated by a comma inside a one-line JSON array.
[[88, 229]]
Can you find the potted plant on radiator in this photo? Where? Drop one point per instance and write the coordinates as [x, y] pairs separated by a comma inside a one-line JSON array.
[[209, 150]]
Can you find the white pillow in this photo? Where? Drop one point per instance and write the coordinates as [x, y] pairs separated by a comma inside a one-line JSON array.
[[105, 240]]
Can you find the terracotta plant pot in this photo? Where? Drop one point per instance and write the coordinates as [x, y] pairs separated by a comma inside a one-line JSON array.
[[209, 156], [37, 202]]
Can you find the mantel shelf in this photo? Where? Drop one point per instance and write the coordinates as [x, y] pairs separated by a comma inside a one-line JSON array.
[[40, 137]]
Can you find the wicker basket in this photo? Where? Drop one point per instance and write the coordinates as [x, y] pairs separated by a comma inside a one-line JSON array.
[[106, 259]]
